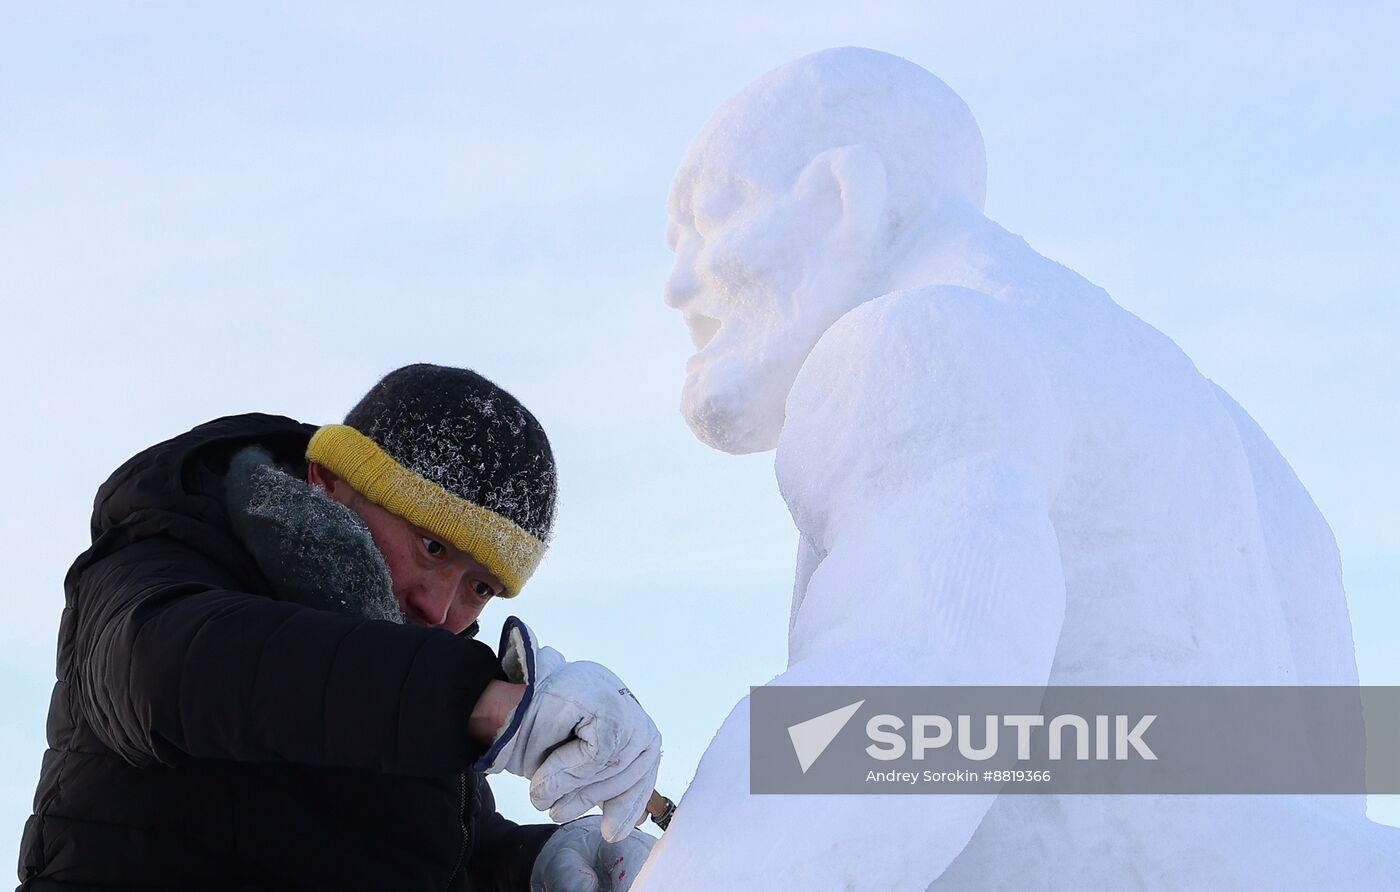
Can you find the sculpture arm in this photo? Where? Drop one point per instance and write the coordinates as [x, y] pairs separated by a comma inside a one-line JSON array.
[[922, 449], [960, 585]]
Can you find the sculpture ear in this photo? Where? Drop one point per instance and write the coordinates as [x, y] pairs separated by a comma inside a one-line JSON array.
[[846, 188]]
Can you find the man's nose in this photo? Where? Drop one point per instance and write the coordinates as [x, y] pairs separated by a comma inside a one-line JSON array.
[[429, 601]]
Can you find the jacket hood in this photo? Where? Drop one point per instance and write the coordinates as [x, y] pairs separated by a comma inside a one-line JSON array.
[[174, 475], [174, 489]]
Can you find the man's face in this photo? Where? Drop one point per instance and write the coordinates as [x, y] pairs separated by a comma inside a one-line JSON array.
[[756, 296], [435, 584]]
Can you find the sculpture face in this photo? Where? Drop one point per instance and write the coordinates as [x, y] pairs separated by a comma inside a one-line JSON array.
[[756, 283], [784, 214]]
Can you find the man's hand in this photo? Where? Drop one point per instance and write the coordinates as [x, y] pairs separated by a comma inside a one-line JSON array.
[[578, 859], [578, 734]]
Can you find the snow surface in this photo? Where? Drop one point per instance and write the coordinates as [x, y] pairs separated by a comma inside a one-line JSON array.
[[999, 477]]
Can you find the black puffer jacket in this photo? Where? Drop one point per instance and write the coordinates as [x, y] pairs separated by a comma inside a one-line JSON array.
[[204, 735]]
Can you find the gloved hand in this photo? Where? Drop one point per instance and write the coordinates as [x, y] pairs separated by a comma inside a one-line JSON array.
[[578, 734], [578, 859]]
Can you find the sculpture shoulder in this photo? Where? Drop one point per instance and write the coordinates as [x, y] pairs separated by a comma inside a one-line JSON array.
[[944, 324], [933, 375], [964, 350]]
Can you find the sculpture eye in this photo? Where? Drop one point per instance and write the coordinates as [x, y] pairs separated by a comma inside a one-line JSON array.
[[715, 205], [433, 547]]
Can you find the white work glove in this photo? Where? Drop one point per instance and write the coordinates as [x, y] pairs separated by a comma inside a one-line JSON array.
[[578, 859], [578, 734]]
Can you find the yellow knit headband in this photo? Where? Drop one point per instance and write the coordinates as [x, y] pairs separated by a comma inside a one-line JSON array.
[[501, 545]]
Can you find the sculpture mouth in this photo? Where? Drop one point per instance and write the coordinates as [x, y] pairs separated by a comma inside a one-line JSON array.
[[702, 329]]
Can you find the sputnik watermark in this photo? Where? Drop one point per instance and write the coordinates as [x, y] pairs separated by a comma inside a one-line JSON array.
[[1075, 740], [810, 738], [888, 744]]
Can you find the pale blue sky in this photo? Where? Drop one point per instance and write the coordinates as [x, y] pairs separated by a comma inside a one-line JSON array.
[[214, 208]]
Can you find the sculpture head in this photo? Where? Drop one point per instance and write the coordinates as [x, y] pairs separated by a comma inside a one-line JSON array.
[[785, 211]]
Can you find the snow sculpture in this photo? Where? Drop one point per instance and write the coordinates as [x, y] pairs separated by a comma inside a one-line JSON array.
[[999, 477]]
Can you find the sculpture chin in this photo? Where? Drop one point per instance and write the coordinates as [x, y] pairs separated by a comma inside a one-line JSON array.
[[730, 418]]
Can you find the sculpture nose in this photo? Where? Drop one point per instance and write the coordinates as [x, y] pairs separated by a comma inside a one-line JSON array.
[[681, 285]]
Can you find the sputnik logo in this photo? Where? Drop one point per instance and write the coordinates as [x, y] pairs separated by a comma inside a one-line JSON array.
[[811, 738]]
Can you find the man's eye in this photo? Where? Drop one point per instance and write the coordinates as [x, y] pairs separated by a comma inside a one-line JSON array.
[[433, 547], [482, 589]]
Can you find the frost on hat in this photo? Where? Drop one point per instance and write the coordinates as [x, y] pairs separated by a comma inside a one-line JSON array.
[[456, 455]]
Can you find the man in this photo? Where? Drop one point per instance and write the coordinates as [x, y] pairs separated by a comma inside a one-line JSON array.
[[999, 477], [265, 683]]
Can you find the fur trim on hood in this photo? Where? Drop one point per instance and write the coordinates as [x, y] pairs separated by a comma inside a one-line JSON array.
[[312, 549]]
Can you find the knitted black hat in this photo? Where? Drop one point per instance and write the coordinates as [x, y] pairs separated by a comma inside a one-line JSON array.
[[452, 453]]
